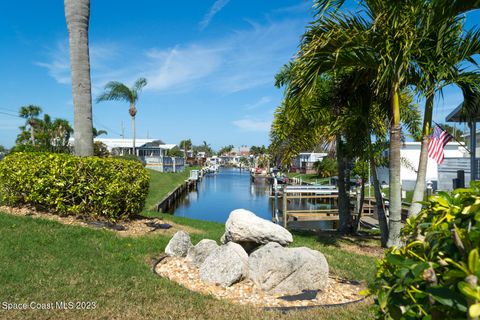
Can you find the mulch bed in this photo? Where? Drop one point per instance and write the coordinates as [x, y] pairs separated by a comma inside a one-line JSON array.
[[337, 292], [135, 227]]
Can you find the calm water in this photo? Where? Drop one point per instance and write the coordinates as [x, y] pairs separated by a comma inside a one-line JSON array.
[[219, 194]]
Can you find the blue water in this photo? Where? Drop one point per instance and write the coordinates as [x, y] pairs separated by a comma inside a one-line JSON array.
[[218, 194]]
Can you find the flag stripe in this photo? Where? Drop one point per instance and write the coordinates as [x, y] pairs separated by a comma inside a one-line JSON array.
[[437, 143]]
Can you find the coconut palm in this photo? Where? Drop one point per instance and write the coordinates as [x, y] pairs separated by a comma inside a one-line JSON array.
[[30, 113], [77, 14], [117, 91]]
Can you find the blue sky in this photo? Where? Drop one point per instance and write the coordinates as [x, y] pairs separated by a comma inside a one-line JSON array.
[[210, 65]]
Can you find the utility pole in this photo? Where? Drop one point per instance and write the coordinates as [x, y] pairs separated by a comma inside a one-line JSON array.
[[123, 130]]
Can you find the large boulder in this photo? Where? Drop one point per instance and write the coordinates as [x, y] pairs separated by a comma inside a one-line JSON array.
[[225, 265], [250, 231], [196, 255], [279, 270], [179, 244]]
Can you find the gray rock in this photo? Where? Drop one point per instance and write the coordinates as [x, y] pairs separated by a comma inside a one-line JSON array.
[[279, 270], [196, 255], [250, 231], [226, 265], [179, 244]]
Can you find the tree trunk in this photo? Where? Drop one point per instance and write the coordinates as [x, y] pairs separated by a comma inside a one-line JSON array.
[[382, 219], [360, 207], [32, 135], [419, 190], [343, 201], [134, 134], [395, 218], [77, 14]]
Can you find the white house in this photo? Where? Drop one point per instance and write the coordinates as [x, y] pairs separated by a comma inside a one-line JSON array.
[[305, 160], [410, 154]]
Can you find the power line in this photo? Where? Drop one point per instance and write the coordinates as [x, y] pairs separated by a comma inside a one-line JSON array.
[[11, 115]]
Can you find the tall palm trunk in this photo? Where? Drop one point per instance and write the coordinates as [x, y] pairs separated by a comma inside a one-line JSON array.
[[77, 14], [382, 219], [134, 135], [32, 134], [419, 190], [343, 201], [395, 217]]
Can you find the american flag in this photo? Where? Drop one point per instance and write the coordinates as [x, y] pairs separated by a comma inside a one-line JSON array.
[[438, 141]]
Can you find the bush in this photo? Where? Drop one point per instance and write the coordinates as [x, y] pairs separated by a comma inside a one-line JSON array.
[[99, 187], [435, 275]]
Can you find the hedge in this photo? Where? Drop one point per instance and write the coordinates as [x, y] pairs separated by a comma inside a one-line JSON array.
[[435, 275], [112, 189]]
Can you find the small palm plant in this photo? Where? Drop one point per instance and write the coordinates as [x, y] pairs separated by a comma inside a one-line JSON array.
[[117, 91], [30, 112]]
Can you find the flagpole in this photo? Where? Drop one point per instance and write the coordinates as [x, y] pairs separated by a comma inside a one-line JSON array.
[[460, 143]]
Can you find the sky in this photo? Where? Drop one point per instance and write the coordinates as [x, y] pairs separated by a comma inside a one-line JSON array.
[[210, 65]]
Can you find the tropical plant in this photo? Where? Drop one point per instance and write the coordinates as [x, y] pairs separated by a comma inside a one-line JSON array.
[[30, 113], [97, 133], [378, 45], [443, 54], [225, 150], [77, 14], [51, 136], [117, 91], [327, 167], [435, 275], [104, 188], [185, 145]]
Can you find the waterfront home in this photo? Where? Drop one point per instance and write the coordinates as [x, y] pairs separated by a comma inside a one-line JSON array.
[[305, 161], [437, 174]]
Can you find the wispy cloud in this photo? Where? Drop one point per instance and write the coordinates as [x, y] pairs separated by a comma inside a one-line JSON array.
[[217, 6], [243, 60], [260, 102], [249, 124]]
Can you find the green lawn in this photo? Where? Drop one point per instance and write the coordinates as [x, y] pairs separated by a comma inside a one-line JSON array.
[[45, 261], [309, 178], [161, 183]]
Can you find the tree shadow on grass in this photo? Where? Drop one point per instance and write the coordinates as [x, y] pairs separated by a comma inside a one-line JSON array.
[[333, 238]]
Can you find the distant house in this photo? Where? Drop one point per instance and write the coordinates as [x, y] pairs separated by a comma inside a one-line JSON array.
[[144, 147], [410, 153], [304, 162]]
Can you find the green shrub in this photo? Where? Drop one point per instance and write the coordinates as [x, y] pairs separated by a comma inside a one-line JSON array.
[[435, 275], [99, 187]]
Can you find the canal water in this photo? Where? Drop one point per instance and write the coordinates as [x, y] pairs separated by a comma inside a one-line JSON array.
[[218, 194]]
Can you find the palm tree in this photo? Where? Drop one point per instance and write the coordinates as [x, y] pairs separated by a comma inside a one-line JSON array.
[[97, 133], [77, 14], [445, 50], [117, 91], [30, 112], [185, 145], [379, 42]]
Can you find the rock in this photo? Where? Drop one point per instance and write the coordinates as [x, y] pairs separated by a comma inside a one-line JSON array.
[[279, 270], [250, 231], [196, 255], [225, 266], [179, 244]]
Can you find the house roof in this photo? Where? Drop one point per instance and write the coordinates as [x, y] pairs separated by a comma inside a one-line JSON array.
[[461, 114]]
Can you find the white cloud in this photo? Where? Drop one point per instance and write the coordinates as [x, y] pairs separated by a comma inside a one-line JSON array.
[[248, 124], [180, 66], [260, 102], [243, 60], [217, 6]]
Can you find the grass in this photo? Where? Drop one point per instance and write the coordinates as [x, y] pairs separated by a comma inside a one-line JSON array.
[[161, 183], [45, 261], [309, 178]]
